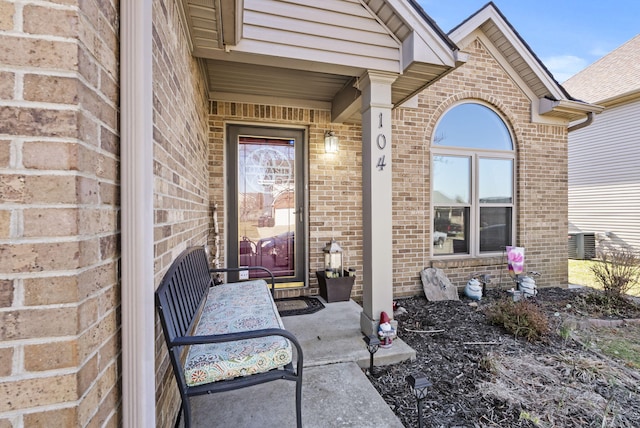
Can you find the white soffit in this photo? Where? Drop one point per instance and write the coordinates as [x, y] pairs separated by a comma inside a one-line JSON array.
[[261, 80], [202, 21], [566, 109], [513, 49], [549, 100]]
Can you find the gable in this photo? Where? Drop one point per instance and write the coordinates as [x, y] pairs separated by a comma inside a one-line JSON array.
[[512, 48], [329, 31], [360, 33], [340, 32], [550, 102]]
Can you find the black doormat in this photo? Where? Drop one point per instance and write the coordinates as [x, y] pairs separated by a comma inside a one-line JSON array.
[[298, 306]]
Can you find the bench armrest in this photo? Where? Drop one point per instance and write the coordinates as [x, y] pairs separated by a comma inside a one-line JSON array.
[[239, 269]]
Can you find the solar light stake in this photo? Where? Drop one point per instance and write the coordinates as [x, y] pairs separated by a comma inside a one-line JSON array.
[[419, 384], [373, 343]]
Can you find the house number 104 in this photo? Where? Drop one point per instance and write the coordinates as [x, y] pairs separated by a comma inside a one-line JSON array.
[[381, 142]]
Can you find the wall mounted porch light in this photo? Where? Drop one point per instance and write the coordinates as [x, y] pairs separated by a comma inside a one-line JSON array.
[[330, 142]]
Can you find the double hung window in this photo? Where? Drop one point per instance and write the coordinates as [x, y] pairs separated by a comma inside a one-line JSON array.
[[473, 171]]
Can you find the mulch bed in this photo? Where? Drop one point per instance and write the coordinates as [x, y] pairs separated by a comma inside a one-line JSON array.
[[485, 377]]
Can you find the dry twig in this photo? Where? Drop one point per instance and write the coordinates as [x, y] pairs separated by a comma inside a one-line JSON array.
[[423, 331]]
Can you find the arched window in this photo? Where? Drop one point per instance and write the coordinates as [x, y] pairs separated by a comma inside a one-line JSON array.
[[473, 170]]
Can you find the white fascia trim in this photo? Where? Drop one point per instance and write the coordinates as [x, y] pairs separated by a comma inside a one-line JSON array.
[[415, 49], [230, 15], [423, 31], [568, 107], [185, 23], [239, 19], [624, 98], [489, 13], [136, 187]]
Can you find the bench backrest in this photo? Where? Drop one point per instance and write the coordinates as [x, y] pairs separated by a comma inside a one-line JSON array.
[[181, 292]]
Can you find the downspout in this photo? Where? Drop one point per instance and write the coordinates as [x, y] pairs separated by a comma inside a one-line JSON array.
[[136, 188], [584, 124]]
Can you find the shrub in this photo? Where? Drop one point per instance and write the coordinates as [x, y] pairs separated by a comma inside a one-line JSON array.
[[617, 270], [522, 319]]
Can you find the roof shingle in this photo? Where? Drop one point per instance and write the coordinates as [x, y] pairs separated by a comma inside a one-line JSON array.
[[615, 74]]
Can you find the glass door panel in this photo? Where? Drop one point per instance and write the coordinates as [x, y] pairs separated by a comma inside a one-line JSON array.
[[267, 207]]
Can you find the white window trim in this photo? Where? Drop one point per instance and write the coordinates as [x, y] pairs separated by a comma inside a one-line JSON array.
[[474, 216]]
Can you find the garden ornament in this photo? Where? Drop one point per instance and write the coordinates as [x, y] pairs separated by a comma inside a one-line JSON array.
[[385, 331], [473, 289]]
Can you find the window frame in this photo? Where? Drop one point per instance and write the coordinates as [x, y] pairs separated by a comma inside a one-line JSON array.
[[475, 154]]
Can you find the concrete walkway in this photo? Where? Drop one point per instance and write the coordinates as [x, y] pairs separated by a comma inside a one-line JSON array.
[[335, 391]]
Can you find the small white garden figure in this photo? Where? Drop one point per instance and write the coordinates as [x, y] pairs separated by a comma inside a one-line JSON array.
[[527, 285], [473, 289], [476, 286]]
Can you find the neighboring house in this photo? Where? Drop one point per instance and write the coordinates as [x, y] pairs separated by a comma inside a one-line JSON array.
[[122, 129], [604, 157]]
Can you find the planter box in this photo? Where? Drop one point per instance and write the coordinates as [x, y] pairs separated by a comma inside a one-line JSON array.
[[335, 289]]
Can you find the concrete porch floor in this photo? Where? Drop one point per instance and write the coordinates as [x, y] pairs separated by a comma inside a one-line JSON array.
[[335, 391]]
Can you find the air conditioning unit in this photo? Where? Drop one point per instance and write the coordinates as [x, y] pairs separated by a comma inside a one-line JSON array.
[[582, 246]]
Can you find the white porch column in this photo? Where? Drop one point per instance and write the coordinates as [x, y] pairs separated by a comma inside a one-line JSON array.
[[136, 187], [377, 275]]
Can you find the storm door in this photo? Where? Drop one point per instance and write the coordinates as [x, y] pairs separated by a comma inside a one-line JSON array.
[[266, 202]]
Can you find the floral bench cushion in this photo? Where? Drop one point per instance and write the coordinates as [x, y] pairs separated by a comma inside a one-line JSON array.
[[232, 308]]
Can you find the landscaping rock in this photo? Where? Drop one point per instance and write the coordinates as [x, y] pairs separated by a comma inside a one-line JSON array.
[[437, 286]]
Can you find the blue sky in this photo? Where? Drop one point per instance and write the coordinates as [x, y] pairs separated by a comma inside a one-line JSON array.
[[567, 35]]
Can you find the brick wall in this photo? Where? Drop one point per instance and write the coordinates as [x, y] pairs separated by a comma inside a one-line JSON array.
[[541, 193], [181, 199], [59, 232], [59, 238], [335, 180]]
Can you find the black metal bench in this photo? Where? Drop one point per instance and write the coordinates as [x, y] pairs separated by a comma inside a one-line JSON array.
[[180, 300]]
